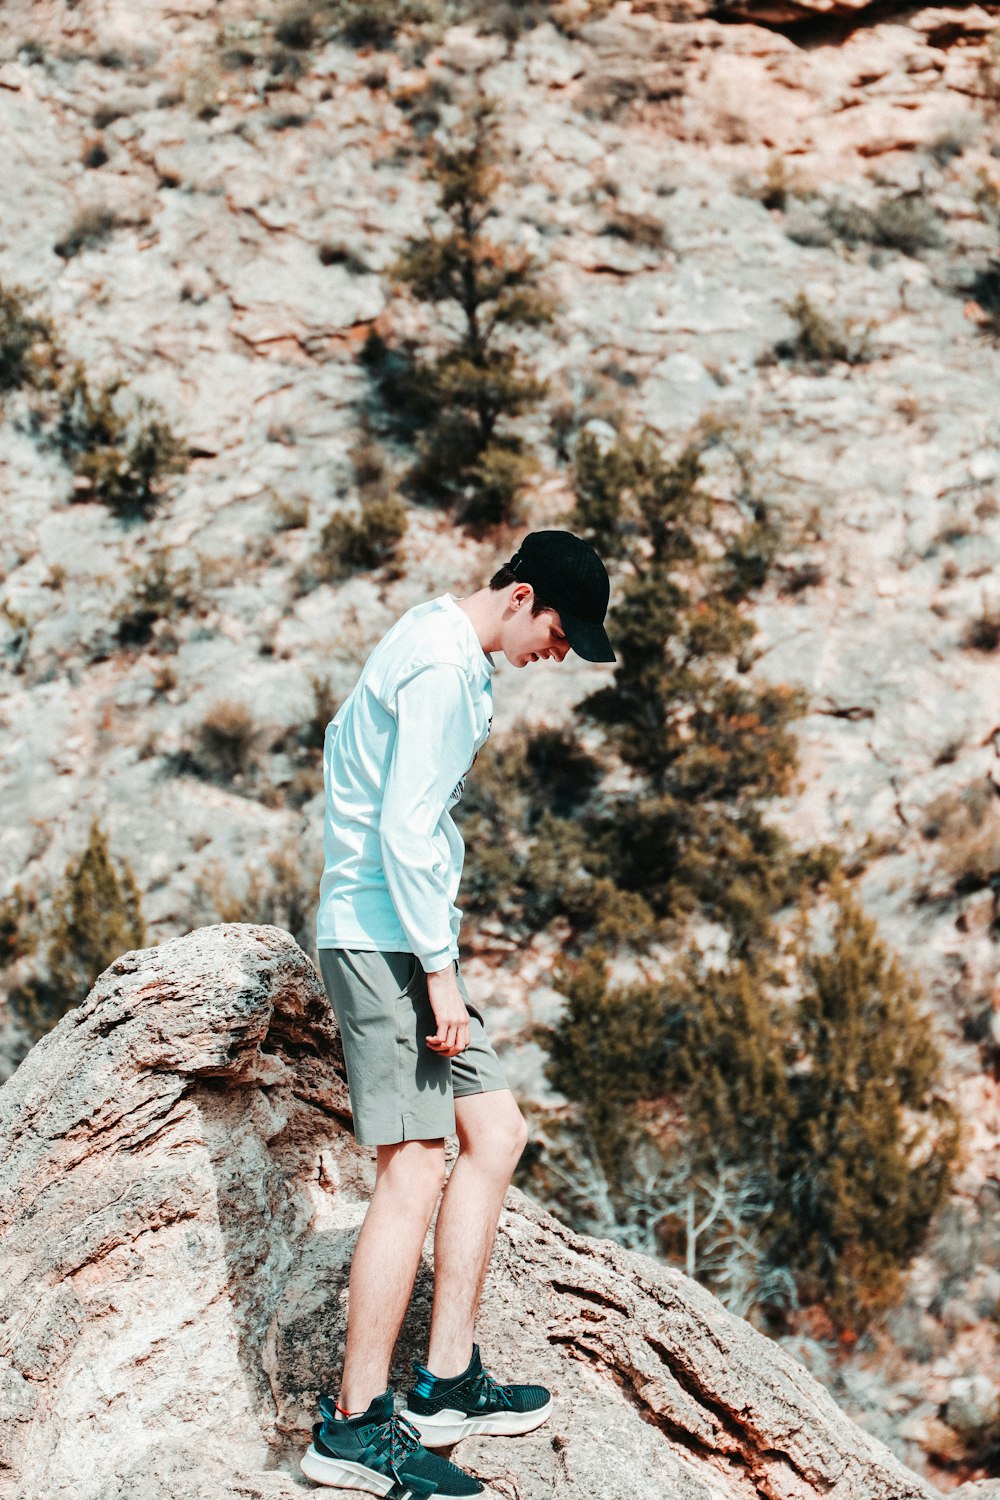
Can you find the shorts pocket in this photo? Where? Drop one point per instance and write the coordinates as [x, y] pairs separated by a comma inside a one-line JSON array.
[[415, 977], [408, 974]]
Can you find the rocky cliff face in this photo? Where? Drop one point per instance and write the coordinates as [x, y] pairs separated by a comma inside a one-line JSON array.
[[179, 1194]]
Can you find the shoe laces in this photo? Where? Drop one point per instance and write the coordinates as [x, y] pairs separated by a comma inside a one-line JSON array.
[[493, 1390], [400, 1438]]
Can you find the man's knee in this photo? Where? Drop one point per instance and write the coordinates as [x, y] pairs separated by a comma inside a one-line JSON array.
[[518, 1137], [492, 1128], [412, 1170]]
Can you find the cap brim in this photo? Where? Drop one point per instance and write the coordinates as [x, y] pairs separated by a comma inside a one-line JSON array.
[[587, 639]]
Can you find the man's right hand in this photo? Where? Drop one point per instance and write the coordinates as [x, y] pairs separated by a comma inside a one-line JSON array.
[[452, 1018]]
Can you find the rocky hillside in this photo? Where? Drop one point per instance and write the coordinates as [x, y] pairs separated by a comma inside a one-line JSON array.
[[210, 213]]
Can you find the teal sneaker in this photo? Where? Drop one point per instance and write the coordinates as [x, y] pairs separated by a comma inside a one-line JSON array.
[[444, 1411], [379, 1452]]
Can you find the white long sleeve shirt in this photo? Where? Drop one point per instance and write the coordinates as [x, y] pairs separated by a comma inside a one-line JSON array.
[[395, 759]]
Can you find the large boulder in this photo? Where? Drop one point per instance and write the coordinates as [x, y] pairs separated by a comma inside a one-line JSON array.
[[179, 1197]]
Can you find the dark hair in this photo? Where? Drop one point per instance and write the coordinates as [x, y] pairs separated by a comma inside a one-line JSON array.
[[504, 577]]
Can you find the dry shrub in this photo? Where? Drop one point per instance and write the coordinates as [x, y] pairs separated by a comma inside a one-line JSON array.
[[280, 893], [224, 739], [965, 828], [820, 341]]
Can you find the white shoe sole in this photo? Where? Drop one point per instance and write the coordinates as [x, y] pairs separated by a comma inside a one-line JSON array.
[[345, 1475], [448, 1426]]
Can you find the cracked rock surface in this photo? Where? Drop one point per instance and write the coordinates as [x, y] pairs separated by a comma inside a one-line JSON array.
[[179, 1197]]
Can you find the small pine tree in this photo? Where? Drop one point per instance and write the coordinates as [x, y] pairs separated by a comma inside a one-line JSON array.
[[872, 1142], [460, 405], [676, 710], [710, 744], [96, 916]]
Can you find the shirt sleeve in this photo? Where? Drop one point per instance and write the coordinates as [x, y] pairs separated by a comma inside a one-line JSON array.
[[435, 736]]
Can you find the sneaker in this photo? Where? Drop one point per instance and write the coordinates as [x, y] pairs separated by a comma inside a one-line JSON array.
[[380, 1452], [443, 1411]]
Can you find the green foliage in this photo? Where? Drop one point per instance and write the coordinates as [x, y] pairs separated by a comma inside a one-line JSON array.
[[157, 591], [709, 744], [96, 916], [610, 1049], [527, 858], [829, 1104], [459, 405], [822, 341], [872, 1142], [376, 23], [26, 341], [349, 546], [123, 462]]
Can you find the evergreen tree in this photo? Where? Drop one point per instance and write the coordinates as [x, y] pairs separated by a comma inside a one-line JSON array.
[[872, 1141], [96, 916], [710, 744], [460, 404], [826, 1108]]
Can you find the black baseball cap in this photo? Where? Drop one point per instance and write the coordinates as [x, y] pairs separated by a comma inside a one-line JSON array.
[[567, 573]]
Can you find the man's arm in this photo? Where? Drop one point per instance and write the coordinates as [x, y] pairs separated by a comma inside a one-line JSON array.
[[435, 734]]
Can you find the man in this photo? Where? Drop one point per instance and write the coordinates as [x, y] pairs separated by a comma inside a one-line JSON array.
[[419, 1063]]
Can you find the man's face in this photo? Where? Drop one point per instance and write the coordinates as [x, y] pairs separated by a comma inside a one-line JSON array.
[[527, 637]]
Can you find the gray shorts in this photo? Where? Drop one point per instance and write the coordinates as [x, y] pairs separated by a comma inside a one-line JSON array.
[[400, 1089]]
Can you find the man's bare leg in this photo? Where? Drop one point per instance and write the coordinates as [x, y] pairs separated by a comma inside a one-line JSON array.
[[491, 1136], [386, 1257]]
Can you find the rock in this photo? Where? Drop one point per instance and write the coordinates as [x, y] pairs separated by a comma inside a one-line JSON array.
[[602, 432], [288, 293], [787, 12], [463, 49], [551, 59], [973, 1403], [943, 25], [676, 392], [179, 1196]]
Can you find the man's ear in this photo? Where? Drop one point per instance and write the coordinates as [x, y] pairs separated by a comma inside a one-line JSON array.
[[520, 593]]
